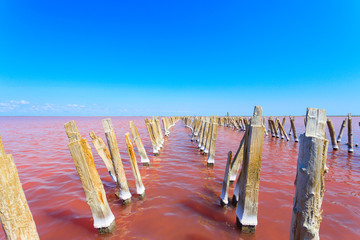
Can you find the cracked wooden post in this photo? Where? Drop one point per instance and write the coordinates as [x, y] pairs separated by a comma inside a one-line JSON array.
[[350, 135], [246, 211], [156, 148], [213, 136], [104, 153], [236, 163], [15, 215], [104, 220], [292, 122], [265, 130], [139, 145], [224, 199], [309, 181], [140, 189], [341, 130], [332, 134], [124, 193]]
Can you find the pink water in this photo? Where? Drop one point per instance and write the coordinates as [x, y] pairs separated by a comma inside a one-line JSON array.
[[182, 194]]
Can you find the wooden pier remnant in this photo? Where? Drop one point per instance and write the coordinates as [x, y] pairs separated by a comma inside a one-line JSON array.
[[341, 130], [208, 137], [332, 134], [104, 220], [236, 163], [104, 153], [139, 145], [154, 144], [213, 137], [246, 211], [15, 215], [224, 199], [293, 128], [309, 182], [350, 135], [124, 193], [140, 189]]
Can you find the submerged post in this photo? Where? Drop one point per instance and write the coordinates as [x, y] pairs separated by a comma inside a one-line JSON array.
[[309, 181], [341, 131], [15, 215], [135, 134], [332, 134], [246, 211], [104, 220], [124, 193], [225, 187]]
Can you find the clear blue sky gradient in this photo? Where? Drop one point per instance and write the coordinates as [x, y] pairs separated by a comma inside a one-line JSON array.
[[178, 57]]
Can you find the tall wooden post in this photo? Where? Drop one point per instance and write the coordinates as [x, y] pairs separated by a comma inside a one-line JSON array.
[[213, 136], [15, 215], [140, 189], [309, 182], [332, 134], [104, 220], [208, 137], [236, 163], [206, 130], [224, 199], [156, 148], [341, 131], [104, 153], [350, 135], [124, 193], [246, 211], [139, 145], [292, 122]]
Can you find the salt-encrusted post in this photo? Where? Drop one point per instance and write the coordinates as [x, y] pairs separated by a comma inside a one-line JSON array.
[[225, 187], [292, 122], [154, 129], [15, 215], [208, 137], [350, 135], [205, 134], [158, 125], [332, 134], [236, 163], [341, 131], [156, 148], [124, 193], [104, 220], [309, 182], [213, 136], [135, 134], [166, 127], [140, 189], [104, 153], [246, 211]]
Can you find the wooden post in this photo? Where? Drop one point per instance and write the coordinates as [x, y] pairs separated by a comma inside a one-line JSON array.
[[104, 153], [350, 135], [157, 122], [213, 136], [208, 137], [139, 145], [154, 129], [206, 131], [292, 122], [202, 133], [236, 163], [15, 215], [282, 130], [271, 127], [246, 211], [264, 123], [124, 193], [225, 187], [341, 131], [104, 220], [140, 189], [309, 182], [166, 127], [332, 134], [156, 148]]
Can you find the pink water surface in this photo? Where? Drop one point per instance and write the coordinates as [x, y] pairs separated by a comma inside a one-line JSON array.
[[182, 194]]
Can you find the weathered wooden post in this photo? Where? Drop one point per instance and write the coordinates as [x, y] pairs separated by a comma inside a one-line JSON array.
[[332, 134], [124, 193], [104, 220], [341, 131], [236, 163], [166, 127], [104, 153], [156, 148], [157, 122], [206, 131], [309, 182], [271, 127], [15, 215], [350, 135], [201, 133], [140, 189], [282, 130], [135, 134], [154, 129], [208, 137], [246, 211], [292, 122], [213, 136], [224, 199]]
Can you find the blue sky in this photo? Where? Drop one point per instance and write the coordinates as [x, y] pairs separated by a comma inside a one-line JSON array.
[[178, 57]]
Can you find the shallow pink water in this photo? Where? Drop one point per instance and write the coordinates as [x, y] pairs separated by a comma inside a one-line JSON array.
[[182, 194]]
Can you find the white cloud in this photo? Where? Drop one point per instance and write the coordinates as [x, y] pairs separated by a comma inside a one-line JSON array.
[[12, 105]]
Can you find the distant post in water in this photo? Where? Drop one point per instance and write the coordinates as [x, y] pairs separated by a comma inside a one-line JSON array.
[[246, 211], [124, 193], [224, 199], [309, 182], [140, 189], [332, 134], [135, 134], [292, 122], [213, 136], [15, 215], [104, 220], [341, 131], [350, 135]]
